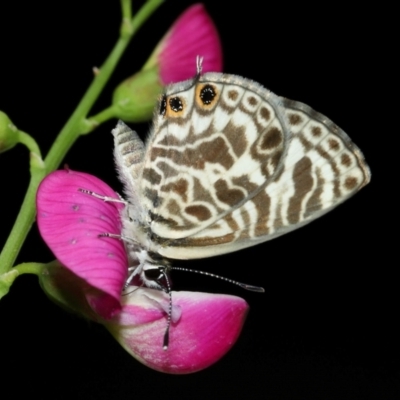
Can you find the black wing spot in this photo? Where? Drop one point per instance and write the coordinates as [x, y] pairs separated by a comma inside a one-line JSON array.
[[176, 104], [163, 105], [207, 94]]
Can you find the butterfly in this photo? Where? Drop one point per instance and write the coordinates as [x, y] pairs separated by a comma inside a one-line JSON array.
[[227, 165]]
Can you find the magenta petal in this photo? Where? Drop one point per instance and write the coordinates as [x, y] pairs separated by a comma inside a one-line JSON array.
[[144, 305], [193, 34], [208, 327], [70, 223]]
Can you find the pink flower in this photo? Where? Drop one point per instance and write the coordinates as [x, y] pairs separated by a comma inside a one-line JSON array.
[[204, 326], [173, 60], [193, 34]]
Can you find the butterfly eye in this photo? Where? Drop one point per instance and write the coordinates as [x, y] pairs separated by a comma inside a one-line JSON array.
[[153, 274], [207, 94], [163, 105], [176, 104]]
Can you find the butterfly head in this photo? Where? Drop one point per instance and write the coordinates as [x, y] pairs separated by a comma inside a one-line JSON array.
[[156, 277], [152, 271]]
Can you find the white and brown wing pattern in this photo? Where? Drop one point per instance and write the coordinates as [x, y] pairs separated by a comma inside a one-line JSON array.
[[229, 165]]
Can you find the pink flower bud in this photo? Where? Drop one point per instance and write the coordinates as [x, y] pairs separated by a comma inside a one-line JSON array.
[[192, 34], [174, 59]]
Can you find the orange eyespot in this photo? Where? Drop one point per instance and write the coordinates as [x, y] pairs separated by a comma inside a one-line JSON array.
[[175, 106], [206, 96]]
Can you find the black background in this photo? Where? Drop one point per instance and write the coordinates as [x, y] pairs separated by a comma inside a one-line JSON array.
[[327, 325]]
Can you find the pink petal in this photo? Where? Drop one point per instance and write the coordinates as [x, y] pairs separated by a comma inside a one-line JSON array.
[[193, 34], [208, 327], [70, 223]]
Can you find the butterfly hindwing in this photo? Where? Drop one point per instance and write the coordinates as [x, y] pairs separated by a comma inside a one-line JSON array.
[[211, 138]]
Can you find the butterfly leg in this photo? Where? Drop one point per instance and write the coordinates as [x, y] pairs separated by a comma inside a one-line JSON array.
[[136, 245], [132, 271], [108, 199], [104, 198], [136, 248], [137, 269]]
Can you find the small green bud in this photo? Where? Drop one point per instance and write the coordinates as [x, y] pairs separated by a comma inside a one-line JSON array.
[[134, 99], [8, 133]]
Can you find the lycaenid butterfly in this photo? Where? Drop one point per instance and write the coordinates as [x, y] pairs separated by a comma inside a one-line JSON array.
[[227, 165]]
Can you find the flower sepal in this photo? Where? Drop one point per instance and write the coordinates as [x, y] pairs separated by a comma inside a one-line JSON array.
[[69, 291], [134, 98]]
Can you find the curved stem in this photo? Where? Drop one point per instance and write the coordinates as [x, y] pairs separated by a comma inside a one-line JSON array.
[[68, 135], [29, 142], [8, 278], [30, 268], [25, 217]]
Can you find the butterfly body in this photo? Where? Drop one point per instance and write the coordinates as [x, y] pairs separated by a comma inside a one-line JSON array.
[[227, 165]]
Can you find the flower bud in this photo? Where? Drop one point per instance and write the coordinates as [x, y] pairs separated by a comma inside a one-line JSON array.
[[193, 34], [134, 98], [8, 133]]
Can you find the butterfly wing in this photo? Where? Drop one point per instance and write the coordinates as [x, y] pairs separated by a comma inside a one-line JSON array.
[[229, 165]]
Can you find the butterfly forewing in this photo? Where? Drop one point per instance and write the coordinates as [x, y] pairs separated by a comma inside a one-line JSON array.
[[229, 165]]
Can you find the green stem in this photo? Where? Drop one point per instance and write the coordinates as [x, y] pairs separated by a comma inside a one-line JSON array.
[[8, 278], [30, 268], [70, 132], [25, 217], [68, 135], [29, 142], [94, 121], [126, 7]]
